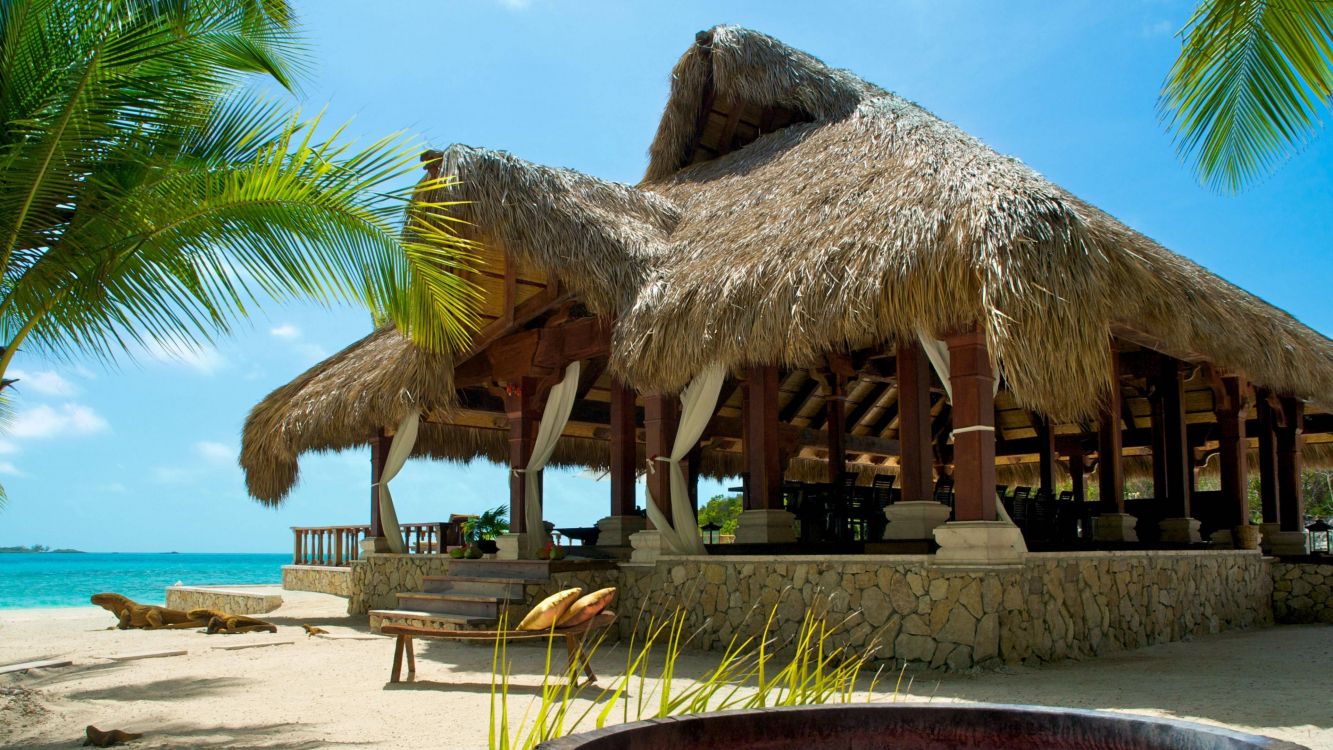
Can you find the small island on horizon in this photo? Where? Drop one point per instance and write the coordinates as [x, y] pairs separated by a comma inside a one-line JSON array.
[[35, 548]]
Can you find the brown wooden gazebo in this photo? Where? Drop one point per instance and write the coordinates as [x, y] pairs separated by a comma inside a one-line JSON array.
[[885, 294]]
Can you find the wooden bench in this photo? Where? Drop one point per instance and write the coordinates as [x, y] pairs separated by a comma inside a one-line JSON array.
[[573, 642]]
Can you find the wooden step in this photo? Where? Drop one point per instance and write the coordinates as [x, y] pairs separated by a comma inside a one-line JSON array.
[[432, 619], [473, 606]]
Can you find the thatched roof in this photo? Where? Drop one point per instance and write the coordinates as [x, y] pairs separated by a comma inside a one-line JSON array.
[[851, 217], [875, 219]]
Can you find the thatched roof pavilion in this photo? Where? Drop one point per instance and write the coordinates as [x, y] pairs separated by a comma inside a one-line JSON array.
[[802, 229]]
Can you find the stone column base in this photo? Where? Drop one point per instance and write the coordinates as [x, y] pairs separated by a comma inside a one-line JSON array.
[[374, 544], [1180, 530], [615, 531], [1221, 539], [647, 546], [979, 543], [1266, 533], [1115, 527], [765, 526], [1245, 537], [1288, 543], [914, 519], [513, 547]]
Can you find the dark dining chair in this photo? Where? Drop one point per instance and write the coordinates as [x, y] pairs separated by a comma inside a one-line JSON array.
[[882, 489]]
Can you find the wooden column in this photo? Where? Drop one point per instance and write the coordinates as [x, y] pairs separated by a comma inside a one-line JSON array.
[[762, 444], [379, 455], [521, 404], [624, 445], [1268, 491], [972, 380], [1077, 471], [1045, 452], [1175, 446], [1230, 401], [659, 424], [834, 404], [1110, 446], [1291, 500], [693, 468], [916, 462]]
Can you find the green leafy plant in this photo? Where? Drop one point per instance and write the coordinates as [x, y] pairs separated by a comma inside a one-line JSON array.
[[150, 197], [752, 672], [1248, 86], [488, 524]]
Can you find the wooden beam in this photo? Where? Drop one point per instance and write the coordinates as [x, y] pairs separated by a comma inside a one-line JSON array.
[[972, 379], [1267, 450], [659, 423], [1171, 387], [1110, 446], [523, 409], [915, 472], [799, 399], [833, 402], [1291, 500], [623, 449], [379, 456], [1230, 404], [763, 449]]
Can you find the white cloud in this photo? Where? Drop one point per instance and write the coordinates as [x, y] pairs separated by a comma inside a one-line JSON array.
[[214, 452], [515, 4], [113, 487], [8, 468], [171, 475], [7, 447], [202, 359], [45, 382], [69, 420], [286, 331], [311, 353], [1159, 28]]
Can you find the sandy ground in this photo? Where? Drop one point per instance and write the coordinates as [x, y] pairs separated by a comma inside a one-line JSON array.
[[334, 692]]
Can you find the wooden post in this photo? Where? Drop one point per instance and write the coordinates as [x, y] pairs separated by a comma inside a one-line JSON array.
[[834, 405], [1077, 471], [1175, 445], [763, 451], [1045, 453], [916, 461], [659, 423], [296, 546], [379, 455], [1230, 405], [520, 397], [338, 547], [624, 445], [1110, 446], [1268, 491], [972, 379], [1291, 500]]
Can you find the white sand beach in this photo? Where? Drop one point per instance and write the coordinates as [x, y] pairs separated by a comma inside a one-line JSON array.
[[334, 692]]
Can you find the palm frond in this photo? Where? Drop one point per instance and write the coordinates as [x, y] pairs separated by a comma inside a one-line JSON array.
[[1248, 86]]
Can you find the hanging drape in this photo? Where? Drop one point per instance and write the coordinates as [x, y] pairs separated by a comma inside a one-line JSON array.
[[555, 414], [938, 353], [698, 402], [401, 447]]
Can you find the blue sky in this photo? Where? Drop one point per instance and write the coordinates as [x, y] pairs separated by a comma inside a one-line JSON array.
[[142, 456]]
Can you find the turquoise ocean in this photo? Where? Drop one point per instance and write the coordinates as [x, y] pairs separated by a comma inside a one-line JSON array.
[[60, 579]]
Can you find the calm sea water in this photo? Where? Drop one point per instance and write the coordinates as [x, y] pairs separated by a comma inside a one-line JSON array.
[[57, 579]]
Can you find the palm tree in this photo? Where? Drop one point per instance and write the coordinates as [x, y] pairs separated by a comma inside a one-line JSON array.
[[1248, 86], [147, 193]]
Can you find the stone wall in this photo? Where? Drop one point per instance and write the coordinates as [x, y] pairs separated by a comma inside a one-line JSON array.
[[1053, 607], [317, 578], [1303, 592], [231, 600], [377, 578]]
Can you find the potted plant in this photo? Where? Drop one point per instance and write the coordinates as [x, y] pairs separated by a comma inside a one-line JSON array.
[[481, 530], [457, 552]]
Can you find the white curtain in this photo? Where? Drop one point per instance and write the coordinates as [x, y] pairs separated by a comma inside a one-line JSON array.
[[698, 402], [399, 450], [555, 414], [938, 353]]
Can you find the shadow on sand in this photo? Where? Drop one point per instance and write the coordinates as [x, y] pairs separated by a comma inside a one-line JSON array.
[[266, 736]]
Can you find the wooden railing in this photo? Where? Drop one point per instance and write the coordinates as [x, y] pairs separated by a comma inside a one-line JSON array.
[[337, 546]]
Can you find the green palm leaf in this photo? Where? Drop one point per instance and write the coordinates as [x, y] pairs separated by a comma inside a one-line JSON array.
[[147, 195], [1249, 84]]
